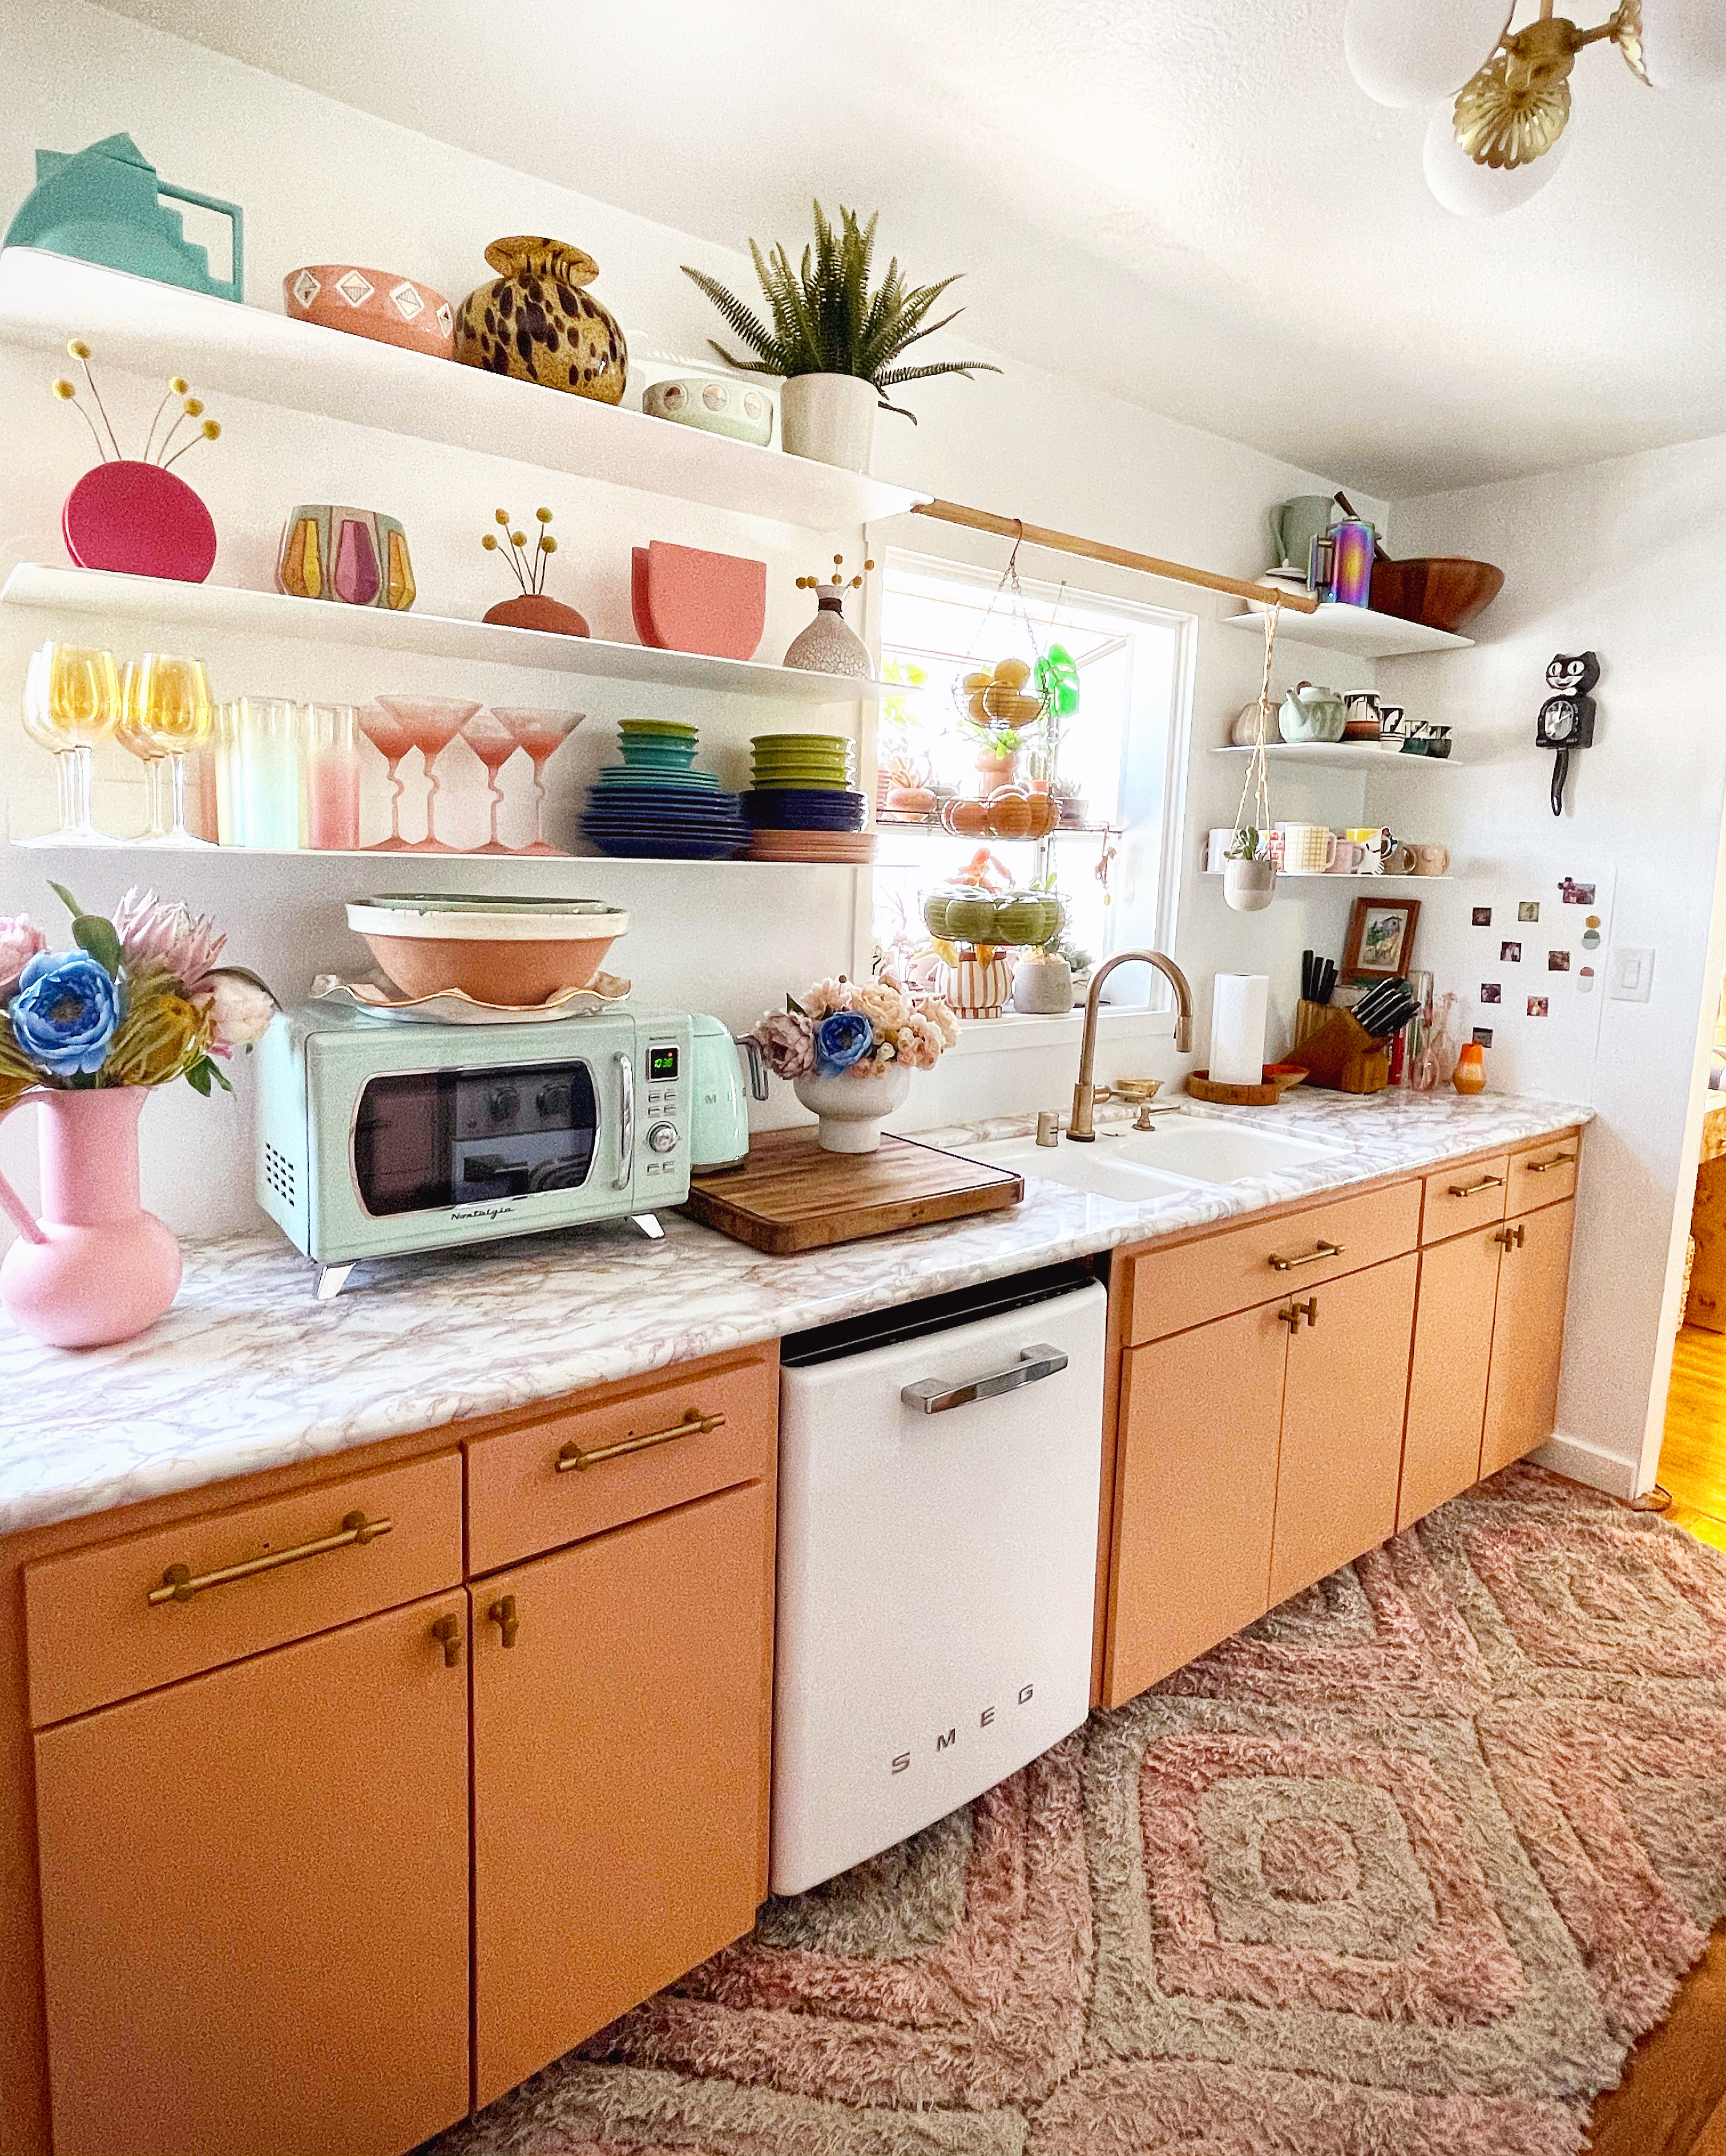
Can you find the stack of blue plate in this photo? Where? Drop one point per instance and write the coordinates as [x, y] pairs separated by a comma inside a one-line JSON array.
[[654, 806], [803, 808]]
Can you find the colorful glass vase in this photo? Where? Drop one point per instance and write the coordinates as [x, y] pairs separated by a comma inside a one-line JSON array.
[[537, 321], [358, 556]]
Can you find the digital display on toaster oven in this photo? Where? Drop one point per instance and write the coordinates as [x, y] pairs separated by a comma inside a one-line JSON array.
[[426, 1141], [661, 1063]]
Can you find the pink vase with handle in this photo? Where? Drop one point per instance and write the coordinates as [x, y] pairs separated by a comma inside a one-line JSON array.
[[96, 1267]]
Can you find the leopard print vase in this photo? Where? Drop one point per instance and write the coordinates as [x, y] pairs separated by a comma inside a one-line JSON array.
[[536, 321]]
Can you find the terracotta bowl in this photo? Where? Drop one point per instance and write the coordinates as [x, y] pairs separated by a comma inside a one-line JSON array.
[[1440, 591], [498, 951], [379, 304]]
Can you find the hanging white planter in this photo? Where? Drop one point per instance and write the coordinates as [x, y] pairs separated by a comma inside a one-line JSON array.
[[1250, 884], [1249, 887]]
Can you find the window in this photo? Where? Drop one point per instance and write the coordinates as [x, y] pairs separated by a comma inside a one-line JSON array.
[[1117, 761]]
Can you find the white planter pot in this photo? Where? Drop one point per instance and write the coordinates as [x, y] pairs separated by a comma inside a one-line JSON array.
[[851, 1109], [1249, 887], [1043, 986], [829, 417]]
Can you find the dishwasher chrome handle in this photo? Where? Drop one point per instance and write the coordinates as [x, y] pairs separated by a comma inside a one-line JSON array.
[[935, 1395], [625, 1123]]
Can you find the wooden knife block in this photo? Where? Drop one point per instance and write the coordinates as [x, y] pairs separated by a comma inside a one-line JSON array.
[[1339, 1054]]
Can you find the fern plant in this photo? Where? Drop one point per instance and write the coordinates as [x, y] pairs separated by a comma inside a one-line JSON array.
[[823, 319]]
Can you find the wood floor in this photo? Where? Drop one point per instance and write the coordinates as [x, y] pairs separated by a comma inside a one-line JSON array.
[[1692, 1455]]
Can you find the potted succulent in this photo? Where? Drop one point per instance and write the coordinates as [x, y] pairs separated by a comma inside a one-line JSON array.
[[836, 344], [1249, 874]]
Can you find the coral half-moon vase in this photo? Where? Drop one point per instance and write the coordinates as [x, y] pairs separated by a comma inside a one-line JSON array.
[[137, 519], [96, 1268]]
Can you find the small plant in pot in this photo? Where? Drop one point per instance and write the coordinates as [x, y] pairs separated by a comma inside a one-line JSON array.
[[1249, 874], [836, 344]]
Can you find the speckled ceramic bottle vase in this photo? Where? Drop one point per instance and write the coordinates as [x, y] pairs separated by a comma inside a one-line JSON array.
[[829, 644], [96, 1268]]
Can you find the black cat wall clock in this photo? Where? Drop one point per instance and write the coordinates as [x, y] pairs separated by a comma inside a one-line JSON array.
[[1566, 720]]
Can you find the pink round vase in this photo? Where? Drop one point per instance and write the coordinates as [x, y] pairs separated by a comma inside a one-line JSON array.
[[96, 1268], [139, 519]]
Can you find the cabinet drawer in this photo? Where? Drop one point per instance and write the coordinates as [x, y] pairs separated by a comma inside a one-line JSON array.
[[93, 1634], [525, 1494], [1544, 1174], [1459, 1198], [1193, 1282]]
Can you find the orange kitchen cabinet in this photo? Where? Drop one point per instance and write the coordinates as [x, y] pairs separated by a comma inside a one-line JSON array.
[[1196, 1495], [1343, 1400], [1527, 1335], [1447, 1380], [255, 1902], [621, 1702]]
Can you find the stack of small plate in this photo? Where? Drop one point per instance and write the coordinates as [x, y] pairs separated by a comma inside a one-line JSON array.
[[656, 805], [802, 808]]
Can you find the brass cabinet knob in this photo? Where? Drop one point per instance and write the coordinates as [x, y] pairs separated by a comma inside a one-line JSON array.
[[502, 1614], [447, 1630]]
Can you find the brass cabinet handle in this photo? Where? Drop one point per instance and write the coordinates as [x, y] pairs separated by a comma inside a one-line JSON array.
[[502, 1614], [447, 1630], [1307, 1257], [1541, 1166], [1296, 1311], [1472, 1189], [179, 1583], [1512, 1238], [694, 1424]]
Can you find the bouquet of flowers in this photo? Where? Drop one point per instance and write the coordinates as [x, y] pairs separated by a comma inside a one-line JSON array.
[[838, 1027], [140, 1001]]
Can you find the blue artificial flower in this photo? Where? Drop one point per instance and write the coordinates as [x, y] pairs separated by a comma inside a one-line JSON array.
[[842, 1038], [65, 1012]]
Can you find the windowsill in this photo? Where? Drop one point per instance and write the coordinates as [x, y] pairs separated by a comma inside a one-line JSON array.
[[1116, 1022]]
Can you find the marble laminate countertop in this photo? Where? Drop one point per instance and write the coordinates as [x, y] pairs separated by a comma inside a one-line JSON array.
[[247, 1371]]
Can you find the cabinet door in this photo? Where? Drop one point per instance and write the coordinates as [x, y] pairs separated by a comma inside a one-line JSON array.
[[1196, 1494], [255, 1904], [619, 1797], [1343, 1406], [1528, 1336], [1447, 1382]]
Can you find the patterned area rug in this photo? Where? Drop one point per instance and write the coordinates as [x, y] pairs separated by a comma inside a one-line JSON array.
[[1400, 1871]]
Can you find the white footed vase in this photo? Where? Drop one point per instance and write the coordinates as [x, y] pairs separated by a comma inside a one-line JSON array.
[[829, 417], [851, 1109]]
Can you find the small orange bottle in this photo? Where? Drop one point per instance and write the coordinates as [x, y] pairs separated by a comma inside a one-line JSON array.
[[1470, 1075]]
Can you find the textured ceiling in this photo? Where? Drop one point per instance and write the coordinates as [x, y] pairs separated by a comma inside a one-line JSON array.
[[1185, 200]]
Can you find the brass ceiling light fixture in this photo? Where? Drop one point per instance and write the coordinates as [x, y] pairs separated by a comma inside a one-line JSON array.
[[1485, 139]]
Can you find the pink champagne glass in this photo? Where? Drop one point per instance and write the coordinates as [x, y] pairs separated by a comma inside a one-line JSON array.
[[431, 724], [494, 745], [392, 740], [541, 733]]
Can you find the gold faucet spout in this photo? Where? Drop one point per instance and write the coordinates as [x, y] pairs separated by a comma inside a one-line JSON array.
[[1085, 1092]]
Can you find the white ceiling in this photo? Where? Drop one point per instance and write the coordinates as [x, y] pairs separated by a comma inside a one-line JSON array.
[[1185, 200]]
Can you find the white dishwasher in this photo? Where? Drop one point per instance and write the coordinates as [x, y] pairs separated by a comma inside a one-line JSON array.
[[938, 1470]]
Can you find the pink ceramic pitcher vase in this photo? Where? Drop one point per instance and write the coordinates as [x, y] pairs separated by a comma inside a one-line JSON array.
[[96, 1267]]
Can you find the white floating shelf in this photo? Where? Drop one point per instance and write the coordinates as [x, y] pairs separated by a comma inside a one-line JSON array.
[[254, 352], [215, 608], [1352, 875], [390, 857], [1354, 629], [1345, 755]]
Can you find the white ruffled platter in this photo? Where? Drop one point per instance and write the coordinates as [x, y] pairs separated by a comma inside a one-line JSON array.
[[380, 999]]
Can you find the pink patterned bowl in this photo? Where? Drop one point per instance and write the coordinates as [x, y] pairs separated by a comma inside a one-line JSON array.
[[371, 303]]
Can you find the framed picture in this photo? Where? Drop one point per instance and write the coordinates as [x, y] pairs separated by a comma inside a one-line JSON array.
[[1381, 937]]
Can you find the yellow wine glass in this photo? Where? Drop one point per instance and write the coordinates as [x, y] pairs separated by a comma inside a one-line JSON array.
[[153, 759], [71, 702], [168, 707]]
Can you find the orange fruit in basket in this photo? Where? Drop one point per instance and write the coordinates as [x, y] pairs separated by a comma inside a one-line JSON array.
[[965, 819], [1014, 672], [1010, 813]]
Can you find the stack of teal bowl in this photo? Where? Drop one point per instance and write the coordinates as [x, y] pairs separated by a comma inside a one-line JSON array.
[[656, 805]]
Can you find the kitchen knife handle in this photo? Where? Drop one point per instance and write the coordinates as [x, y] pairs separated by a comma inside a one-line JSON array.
[[625, 1123], [935, 1395]]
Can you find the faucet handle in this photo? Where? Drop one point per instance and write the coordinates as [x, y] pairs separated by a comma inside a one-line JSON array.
[[1048, 1127]]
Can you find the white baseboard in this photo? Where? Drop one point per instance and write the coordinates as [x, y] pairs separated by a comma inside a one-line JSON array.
[[1587, 1463]]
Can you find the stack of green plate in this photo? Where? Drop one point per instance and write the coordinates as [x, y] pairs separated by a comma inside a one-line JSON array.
[[657, 745], [813, 763]]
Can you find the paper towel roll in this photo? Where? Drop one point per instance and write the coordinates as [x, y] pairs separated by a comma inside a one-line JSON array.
[[1238, 1003]]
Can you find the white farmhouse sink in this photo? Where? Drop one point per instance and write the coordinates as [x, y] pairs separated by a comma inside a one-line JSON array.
[[1205, 1152], [1100, 1171]]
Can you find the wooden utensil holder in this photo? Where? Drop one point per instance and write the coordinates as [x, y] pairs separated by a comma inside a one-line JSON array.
[[1339, 1054]]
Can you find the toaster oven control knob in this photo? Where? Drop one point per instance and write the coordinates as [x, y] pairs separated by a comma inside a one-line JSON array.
[[662, 1138], [503, 1104]]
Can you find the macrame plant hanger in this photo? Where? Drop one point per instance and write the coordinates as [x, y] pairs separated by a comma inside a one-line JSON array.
[[1255, 786]]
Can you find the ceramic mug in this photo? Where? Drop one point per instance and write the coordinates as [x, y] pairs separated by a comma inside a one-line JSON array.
[[1216, 849], [1308, 848], [1350, 856], [1399, 859], [1430, 860], [1373, 839], [1390, 717]]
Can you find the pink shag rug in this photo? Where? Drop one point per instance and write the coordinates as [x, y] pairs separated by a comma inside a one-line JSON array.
[[1402, 1870]]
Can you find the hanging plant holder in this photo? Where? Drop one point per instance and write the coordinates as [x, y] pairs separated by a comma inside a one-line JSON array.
[[1248, 872]]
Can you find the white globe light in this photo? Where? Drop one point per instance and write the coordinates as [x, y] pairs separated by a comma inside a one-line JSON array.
[[1471, 190], [1412, 52], [1684, 42]]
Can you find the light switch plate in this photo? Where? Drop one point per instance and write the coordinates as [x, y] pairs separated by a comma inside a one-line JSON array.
[[1630, 977]]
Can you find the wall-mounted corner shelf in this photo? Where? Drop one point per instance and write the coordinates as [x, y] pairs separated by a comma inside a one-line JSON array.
[[256, 352], [1357, 630], [218, 609], [1345, 756], [1324, 880]]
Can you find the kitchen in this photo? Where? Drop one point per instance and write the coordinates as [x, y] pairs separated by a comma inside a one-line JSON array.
[[487, 1337]]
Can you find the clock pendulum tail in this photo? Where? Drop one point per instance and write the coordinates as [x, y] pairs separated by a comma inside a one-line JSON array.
[[1560, 772]]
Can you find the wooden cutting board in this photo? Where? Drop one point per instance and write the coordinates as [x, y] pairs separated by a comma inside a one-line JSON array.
[[791, 1196]]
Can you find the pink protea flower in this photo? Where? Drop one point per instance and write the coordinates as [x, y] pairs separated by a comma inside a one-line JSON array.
[[20, 940], [157, 931]]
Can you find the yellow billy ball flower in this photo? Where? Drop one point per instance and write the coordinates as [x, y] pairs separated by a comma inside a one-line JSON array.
[[489, 542], [178, 384], [547, 545], [518, 538], [503, 516], [64, 390], [210, 429], [543, 515], [77, 348], [194, 408]]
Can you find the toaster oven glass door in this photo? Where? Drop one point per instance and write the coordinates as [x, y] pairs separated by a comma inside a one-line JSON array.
[[424, 1140]]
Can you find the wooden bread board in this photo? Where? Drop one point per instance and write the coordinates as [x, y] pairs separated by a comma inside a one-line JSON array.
[[791, 1196]]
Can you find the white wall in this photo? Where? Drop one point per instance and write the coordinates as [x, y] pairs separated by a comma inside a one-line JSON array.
[[318, 181], [1621, 558]]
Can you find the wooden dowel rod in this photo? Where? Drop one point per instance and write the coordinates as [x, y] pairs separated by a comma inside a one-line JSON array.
[[1120, 557]]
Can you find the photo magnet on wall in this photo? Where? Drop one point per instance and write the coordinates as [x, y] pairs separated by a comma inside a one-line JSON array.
[[1489, 992], [1482, 1036], [1537, 1006], [1576, 894], [1529, 909], [1557, 961], [1510, 954], [1483, 916]]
